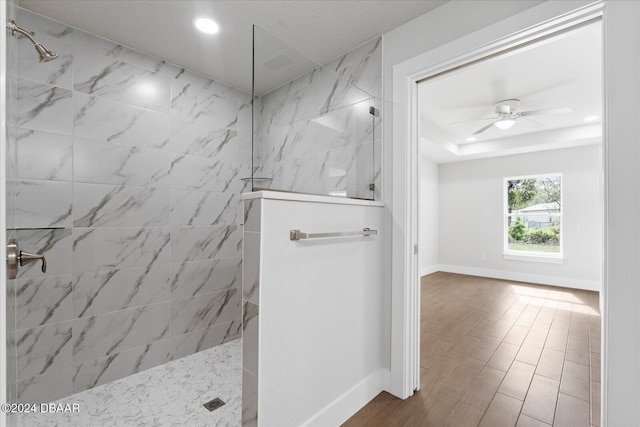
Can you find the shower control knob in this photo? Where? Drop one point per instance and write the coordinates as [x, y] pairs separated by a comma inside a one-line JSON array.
[[17, 258]]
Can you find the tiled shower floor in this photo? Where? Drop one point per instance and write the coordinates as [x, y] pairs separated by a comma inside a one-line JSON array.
[[168, 395]]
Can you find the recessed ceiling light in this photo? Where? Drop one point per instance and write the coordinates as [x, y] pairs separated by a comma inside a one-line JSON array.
[[591, 118], [206, 25], [472, 139]]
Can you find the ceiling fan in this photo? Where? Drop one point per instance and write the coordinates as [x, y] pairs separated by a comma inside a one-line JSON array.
[[507, 114]]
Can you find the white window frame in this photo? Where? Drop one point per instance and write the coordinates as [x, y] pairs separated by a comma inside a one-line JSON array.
[[515, 255]]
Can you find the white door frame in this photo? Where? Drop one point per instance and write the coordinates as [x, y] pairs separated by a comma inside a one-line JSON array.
[[539, 21]]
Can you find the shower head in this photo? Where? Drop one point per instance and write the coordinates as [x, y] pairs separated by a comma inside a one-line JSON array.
[[45, 54]]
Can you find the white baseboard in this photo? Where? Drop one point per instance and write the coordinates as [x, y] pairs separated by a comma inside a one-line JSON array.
[[587, 285], [429, 269], [341, 409]]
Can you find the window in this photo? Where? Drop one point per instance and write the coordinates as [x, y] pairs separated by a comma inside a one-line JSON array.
[[533, 216]]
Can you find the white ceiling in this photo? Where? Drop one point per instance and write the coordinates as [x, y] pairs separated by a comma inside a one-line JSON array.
[[564, 71], [320, 30]]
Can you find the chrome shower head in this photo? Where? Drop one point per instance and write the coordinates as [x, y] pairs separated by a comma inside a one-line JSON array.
[[45, 54]]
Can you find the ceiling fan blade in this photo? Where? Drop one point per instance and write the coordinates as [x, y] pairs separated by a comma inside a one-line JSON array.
[[559, 110], [484, 128], [532, 123], [474, 120]]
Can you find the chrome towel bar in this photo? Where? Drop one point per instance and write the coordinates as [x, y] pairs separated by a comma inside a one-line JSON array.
[[299, 235]]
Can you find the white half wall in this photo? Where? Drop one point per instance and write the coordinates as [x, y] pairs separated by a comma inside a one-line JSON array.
[[428, 217], [471, 217], [322, 337]]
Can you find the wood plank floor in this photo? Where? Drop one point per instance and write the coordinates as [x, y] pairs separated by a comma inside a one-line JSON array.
[[498, 353]]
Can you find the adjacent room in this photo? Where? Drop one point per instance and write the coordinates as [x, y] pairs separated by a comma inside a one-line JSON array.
[[511, 235]]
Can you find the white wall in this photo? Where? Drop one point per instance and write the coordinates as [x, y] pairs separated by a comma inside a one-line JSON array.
[[428, 213], [471, 217], [322, 342], [621, 339]]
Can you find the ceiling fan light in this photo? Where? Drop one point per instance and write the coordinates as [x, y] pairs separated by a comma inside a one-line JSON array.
[[505, 124]]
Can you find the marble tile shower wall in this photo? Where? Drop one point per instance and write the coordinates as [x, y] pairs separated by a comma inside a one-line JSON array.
[[127, 177], [315, 134], [9, 158]]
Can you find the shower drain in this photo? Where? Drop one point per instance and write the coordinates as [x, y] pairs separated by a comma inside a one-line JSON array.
[[214, 404]]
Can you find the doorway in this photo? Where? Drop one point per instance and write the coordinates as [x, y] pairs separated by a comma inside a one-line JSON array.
[[515, 144], [545, 20]]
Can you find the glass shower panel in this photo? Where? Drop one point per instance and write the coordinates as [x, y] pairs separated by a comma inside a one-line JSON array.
[[315, 129]]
